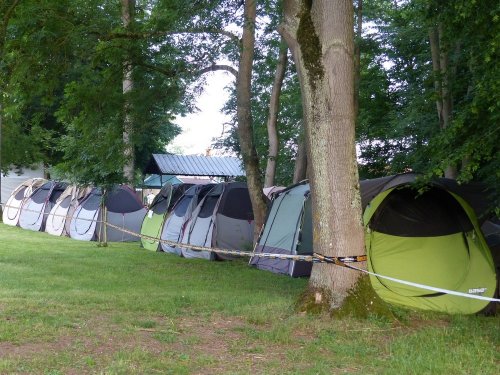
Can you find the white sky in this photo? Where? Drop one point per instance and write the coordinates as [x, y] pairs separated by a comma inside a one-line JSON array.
[[199, 128]]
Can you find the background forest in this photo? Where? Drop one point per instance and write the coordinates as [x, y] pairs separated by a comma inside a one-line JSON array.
[[90, 86]]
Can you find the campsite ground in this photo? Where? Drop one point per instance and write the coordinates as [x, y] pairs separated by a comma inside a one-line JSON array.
[[70, 307]]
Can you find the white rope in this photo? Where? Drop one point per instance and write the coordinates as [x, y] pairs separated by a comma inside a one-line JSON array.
[[316, 258]]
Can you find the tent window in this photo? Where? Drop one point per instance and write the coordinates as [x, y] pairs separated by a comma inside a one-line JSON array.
[[407, 213], [181, 207], [208, 206], [123, 201], [160, 207], [237, 204]]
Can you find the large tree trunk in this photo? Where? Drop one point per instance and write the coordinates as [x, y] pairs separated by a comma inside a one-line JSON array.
[[128, 147], [272, 121], [321, 39], [245, 130]]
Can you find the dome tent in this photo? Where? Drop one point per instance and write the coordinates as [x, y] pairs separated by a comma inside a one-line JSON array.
[[223, 219], [287, 230], [60, 215], [20, 194], [181, 213], [123, 209], [162, 204], [36, 208], [427, 234]]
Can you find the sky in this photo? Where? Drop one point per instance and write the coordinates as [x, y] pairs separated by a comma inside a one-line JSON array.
[[199, 128]]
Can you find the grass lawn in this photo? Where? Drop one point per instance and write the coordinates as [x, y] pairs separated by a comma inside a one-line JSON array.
[[70, 307]]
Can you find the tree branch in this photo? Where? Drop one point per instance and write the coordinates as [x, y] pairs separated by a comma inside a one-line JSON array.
[[132, 35], [5, 21], [217, 67]]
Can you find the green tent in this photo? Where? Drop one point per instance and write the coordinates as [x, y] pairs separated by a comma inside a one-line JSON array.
[[162, 204], [427, 234]]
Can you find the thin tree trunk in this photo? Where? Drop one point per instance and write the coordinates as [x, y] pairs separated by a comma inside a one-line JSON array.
[[451, 170], [272, 121], [300, 168], [7, 10], [321, 39], [440, 66], [245, 130], [128, 148]]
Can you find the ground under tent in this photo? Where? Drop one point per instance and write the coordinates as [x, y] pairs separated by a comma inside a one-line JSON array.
[[20, 194], [36, 208], [181, 213], [123, 209], [428, 235], [59, 218], [287, 230], [162, 204], [223, 219]]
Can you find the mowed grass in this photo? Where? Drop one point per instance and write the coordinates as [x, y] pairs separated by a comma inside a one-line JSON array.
[[70, 307]]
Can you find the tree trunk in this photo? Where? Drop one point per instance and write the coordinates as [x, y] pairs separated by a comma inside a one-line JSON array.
[[6, 10], [444, 102], [300, 168], [272, 121], [245, 130], [128, 147], [321, 39], [357, 55]]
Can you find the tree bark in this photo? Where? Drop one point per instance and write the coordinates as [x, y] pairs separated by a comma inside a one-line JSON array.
[[321, 39], [127, 87], [272, 121], [357, 55], [245, 130]]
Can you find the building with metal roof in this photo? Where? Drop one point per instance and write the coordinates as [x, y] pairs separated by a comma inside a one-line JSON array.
[[194, 165]]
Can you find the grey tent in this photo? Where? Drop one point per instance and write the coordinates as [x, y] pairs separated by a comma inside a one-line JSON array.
[[175, 222], [36, 208], [223, 219], [20, 194], [162, 204], [123, 209], [287, 230], [60, 215]]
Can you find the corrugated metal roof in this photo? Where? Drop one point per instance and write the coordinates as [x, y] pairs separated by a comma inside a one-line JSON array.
[[192, 165]]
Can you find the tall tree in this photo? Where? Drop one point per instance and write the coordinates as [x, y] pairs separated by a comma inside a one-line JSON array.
[[245, 131], [128, 10], [272, 121], [320, 36]]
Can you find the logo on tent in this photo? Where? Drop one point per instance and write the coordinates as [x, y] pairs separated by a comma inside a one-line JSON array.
[[479, 291]]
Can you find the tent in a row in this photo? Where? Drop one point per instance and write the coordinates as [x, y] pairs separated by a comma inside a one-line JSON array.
[[19, 195], [180, 215], [428, 235], [162, 204], [59, 218], [60, 209], [119, 207], [288, 230], [38, 205], [223, 219], [211, 215]]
